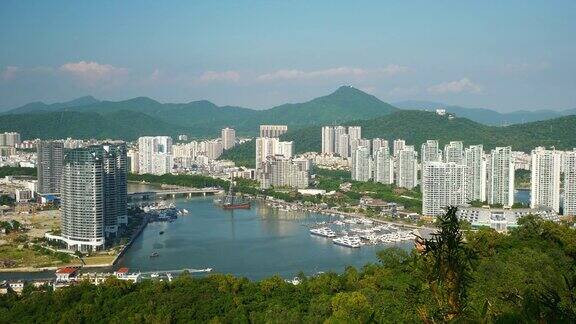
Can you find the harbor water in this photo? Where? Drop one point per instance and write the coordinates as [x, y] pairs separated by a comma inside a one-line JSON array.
[[255, 243]]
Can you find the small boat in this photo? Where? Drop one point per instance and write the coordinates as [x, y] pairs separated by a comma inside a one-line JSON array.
[[161, 232], [154, 254], [154, 275], [324, 231], [199, 270]]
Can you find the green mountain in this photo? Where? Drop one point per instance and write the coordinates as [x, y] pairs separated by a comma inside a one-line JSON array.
[[43, 107], [205, 119], [123, 124], [487, 116], [418, 126]]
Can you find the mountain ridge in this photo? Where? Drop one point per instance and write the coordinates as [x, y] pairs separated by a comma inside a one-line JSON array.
[[488, 116], [203, 118]]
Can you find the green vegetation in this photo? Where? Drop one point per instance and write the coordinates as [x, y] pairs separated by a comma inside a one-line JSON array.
[[522, 179], [123, 124], [143, 116], [16, 171], [527, 276], [243, 154]]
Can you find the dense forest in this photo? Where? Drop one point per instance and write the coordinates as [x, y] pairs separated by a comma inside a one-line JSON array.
[[528, 275]]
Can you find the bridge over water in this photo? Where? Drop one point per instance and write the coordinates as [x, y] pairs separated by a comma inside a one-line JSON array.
[[173, 193]]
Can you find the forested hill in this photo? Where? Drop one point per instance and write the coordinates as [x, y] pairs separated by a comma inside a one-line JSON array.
[[418, 126], [526, 276], [197, 118]]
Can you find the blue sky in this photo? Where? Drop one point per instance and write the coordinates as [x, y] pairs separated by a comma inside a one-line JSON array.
[[505, 55]]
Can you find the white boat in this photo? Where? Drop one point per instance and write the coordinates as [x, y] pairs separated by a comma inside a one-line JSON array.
[[348, 241], [323, 231], [154, 275], [200, 270]]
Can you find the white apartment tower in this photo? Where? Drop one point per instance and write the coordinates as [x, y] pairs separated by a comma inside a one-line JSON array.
[[398, 146], [407, 168], [155, 154], [383, 166], [430, 152], [340, 136], [272, 130], [355, 132], [454, 152], [377, 143], [570, 183], [269, 147], [545, 179], [500, 186], [443, 185], [328, 140], [343, 148], [361, 170], [475, 161], [228, 138]]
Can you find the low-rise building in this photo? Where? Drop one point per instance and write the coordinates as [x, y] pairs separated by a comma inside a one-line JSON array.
[[501, 219]]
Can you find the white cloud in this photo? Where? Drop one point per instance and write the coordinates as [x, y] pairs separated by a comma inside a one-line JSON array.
[[342, 71], [394, 69], [9, 73], [227, 76], [402, 92], [93, 73], [459, 86]]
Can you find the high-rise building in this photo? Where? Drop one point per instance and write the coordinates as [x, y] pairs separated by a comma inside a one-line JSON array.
[[213, 148], [328, 141], [430, 152], [454, 152], [377, 143], [354, 132], [10, 139], [272, 130], [267, 147], [545, 180], [383, 166], [343, 148], [361, 168], [228, 138], [133, 161], [475, 161], [500, 185], [339, 133], [155, 154], [398, 146], [93, 193], [279, 172], [115, 167], [443, 185], [50, 159], [407, 168], [570, 183]]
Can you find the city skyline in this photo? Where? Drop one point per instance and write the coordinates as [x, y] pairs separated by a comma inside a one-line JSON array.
[[258, 56]]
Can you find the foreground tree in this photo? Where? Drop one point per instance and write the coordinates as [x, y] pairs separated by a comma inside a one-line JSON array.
[[446, 266]]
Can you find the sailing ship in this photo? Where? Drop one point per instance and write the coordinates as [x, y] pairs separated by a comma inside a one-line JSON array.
[[231, 201]]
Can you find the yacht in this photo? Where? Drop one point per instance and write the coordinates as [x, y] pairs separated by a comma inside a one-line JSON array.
[[348, 241], [323, 231]]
